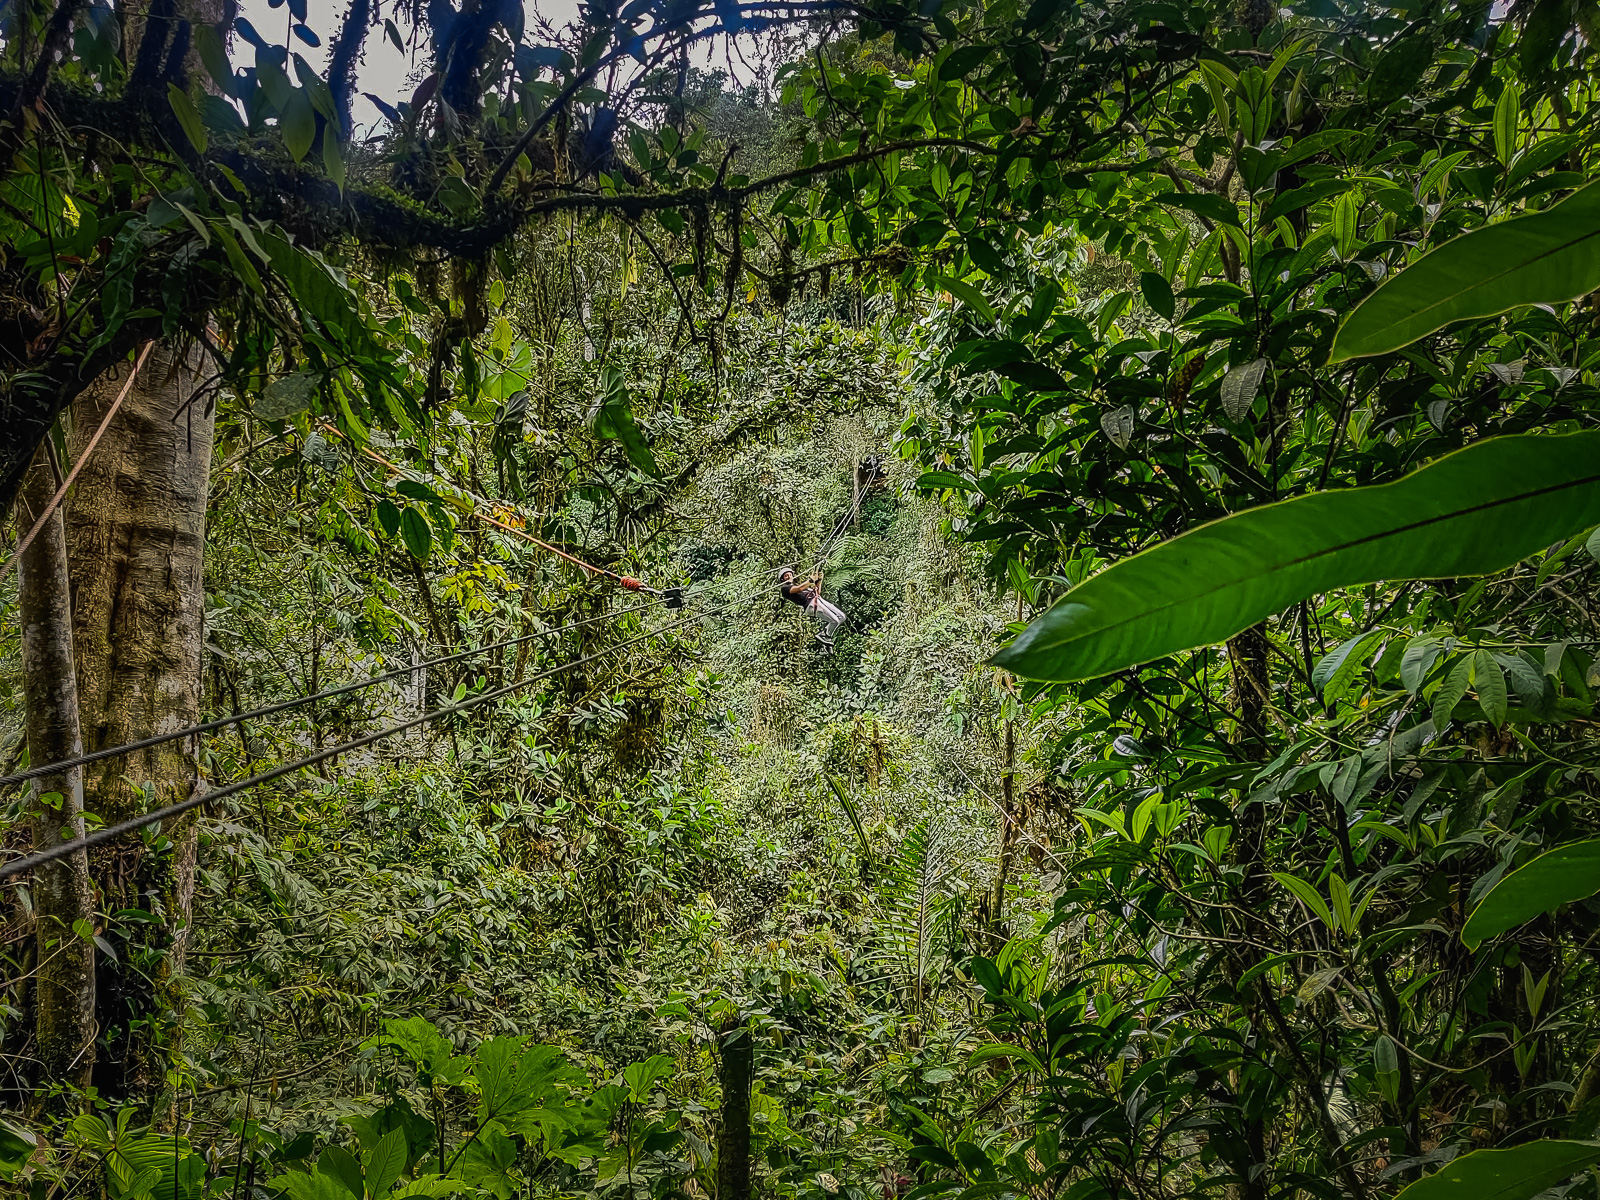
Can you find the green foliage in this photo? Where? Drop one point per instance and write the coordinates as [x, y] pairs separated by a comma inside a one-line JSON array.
[[1167, 284], [17, 1144], [140, 1164], [1544, 258], [1121, 253], [921, 913], [532, 1107], [1552, 879], [1506, 1174], [1473, 512]]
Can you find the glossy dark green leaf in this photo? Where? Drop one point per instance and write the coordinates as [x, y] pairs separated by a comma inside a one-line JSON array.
[[1471, 513], [1386, 1066], [1158, 293], [1451, 691], [1547, 24], [388, 516], [1034, 376], [275, 83], [1295, 199], [1555, 878], [298, 124], [1205, 204], [1398, 68], [339, 1164], [1491, 687], [945, 479], [188, 117], [1336, 668], [969, 295], [1545, 258], [416, 533], [413, 489], [214, 55], [962, 62], [1040, 13], [220, 117], [1419, 657], [1517, 1173], [386, 1162]]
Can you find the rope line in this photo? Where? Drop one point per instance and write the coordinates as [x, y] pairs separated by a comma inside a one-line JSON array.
[[844, 523], [55, 501], [268, 710], [112, 832], [284, 705], [1009, 819], [627, 581]]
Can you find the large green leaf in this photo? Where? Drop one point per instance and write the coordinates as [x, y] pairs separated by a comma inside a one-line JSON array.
[[1470, 513], [298, 124], [1555, 878], [416, 533], [513, 1075], [420, 1040], [1514, 1174], [183, 108], [386, 1162], [642, 1076], [613, 418], [1544, 258]]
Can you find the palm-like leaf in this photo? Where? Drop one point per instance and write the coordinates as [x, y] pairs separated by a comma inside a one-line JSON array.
[[916, 908]]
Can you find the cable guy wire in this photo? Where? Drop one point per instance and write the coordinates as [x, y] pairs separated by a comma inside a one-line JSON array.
[[112, 832], [627, 581], [284, 705]]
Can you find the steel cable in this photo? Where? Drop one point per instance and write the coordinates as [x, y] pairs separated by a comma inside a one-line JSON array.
[[284, 705], [112, 832]]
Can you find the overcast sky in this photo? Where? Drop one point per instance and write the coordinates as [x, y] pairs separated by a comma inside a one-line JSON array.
[[384, 70]]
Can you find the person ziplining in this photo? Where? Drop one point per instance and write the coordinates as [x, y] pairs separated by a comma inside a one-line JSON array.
[[808, 595]]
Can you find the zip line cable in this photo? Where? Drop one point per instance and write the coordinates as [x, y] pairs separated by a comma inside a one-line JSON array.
[[627, 581], [829, 543], [113, 832], [844, 523], [55, 501], [344, 689], [826, 549], [1008, 818], [284, 705]]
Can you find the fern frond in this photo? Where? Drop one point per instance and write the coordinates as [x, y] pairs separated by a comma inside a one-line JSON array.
[[912, 903]]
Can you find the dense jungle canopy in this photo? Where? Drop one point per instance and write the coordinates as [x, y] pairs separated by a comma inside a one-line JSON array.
[[416, 783]]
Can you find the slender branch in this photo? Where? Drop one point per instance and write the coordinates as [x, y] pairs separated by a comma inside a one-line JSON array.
[[624, 50]]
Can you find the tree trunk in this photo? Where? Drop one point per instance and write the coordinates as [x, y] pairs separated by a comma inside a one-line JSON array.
[[63, 990], [1252, 684], [136, 538], [1011, 822], [733, 1139]]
